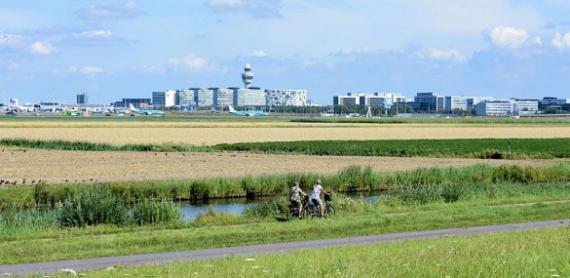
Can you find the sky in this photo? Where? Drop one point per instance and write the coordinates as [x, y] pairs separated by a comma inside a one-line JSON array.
[[52, 50]]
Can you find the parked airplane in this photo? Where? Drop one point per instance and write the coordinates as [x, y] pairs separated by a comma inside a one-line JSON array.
[[145, 111], [246, 113]]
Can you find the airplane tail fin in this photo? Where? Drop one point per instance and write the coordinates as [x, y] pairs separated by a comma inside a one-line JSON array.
[[231, 108], [131, 107]]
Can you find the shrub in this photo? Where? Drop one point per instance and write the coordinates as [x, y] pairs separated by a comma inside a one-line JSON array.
[[273, 207], [149, 212], [91, 208]]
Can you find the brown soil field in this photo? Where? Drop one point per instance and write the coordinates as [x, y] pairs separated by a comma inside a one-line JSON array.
[[216, 135], [59, 166]]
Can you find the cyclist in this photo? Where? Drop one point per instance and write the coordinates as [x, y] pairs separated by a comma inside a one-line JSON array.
[[295, 198], [316, 196]]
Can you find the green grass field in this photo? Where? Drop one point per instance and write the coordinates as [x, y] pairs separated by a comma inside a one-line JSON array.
[[465, 148], [35, 242], [470, 148], [541, 253]]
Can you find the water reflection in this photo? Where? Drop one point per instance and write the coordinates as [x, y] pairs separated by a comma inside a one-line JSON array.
[[191, 210]]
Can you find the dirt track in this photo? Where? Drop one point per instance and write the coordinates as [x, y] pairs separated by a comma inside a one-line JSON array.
[[59, 166]]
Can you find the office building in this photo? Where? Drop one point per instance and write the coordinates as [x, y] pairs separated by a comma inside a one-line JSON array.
[[82, 99], [186, 98], [204, 97], [494, 108], [346, 100], [158, 99], [523, 107], [547, 101], [429, 102], [224, 98], [136, 102], [252, 97], [456, 103], [164, 99], [286, 97]]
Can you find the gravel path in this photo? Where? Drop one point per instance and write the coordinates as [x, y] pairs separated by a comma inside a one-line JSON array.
[[159, 258]]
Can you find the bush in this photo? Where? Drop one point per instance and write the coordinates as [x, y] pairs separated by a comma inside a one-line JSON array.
[[91, 208], [451, 192], [273, 207], [149, 212]]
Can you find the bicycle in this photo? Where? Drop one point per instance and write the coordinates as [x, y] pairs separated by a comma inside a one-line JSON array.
[[314, 209]]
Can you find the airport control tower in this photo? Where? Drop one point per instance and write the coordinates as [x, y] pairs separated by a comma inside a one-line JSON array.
[[247, 76]]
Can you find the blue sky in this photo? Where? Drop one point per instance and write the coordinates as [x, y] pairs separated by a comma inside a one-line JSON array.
[[51, 50]]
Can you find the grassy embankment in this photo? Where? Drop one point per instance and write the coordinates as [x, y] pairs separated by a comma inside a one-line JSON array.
[[464, 148], [541, 253], [447, 181], [418, 200]]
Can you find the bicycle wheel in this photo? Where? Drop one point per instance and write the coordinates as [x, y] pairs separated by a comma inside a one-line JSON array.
[[330, 210]]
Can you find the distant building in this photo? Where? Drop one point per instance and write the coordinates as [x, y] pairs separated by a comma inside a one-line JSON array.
[[429, 102], [494, 108], [164, 99], [186, 98], [136, 102], [82, 99], [547, 101], [204, 97], [286, 97], [456, 103], [223, 98], [247, 76], [252, 97], [525, 106], [349, 99]]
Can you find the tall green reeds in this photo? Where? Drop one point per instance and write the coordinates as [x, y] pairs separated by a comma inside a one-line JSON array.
[[347, 180]]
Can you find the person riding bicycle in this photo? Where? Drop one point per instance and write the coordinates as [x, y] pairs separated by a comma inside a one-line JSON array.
[[316, 196], [295, 198]]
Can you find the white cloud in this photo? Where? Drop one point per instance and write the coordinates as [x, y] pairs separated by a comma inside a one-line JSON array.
[[259, 53], [97, 34], [537, 41], [42, 48], [190, 62], [452, 55], [561, 41], [509, 37], [257, 8], [225, 4], [110, 12], [10, 39], [91, 70]]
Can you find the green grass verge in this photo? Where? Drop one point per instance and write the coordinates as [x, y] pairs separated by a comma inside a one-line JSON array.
[[468, 148], [464, 148], [110, 241], [541, 253], [89, 146]]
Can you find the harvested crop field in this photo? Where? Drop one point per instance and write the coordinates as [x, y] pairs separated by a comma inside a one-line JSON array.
[[59, 166], [217, 135]]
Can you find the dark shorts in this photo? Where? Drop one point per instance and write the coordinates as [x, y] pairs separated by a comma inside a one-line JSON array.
[[295, 203]]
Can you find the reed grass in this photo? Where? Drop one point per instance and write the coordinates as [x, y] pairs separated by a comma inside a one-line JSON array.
[[448, 183]]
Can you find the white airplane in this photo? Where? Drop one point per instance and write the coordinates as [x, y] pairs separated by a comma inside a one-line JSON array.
[[246, 113], [145, 111]]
